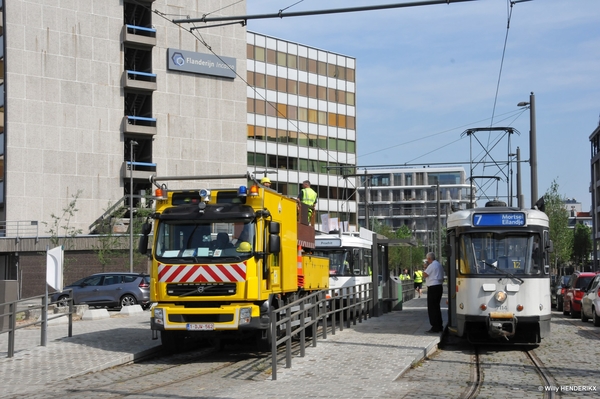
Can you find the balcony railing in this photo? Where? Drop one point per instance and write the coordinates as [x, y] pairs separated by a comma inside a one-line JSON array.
[[19, 228]]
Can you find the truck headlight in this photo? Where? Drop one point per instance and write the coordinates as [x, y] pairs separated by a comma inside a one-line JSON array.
[[245, 315], [159, 316]]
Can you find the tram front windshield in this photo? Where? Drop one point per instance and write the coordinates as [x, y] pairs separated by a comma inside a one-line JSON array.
[[494, 253]]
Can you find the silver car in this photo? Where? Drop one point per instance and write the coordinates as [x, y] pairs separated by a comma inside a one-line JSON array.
[[590, 303], [107, 290]]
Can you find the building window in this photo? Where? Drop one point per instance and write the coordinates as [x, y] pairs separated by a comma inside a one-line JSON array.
[[271, 56], [281, 59], [303, 64], [292, 61], [259, 54]]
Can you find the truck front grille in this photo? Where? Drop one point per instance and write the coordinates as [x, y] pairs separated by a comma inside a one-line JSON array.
[[201, 290]]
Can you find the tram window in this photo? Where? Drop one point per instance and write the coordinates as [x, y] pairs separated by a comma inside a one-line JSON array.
[[489, 253]]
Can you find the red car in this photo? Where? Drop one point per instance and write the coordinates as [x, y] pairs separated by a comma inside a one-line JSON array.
[[573, 294]]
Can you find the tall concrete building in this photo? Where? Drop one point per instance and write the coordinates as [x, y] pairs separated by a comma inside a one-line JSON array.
[[93, 87], [302, 122]]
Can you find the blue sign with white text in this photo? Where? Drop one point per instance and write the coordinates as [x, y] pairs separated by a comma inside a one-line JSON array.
[[205, 64], [499, 219]]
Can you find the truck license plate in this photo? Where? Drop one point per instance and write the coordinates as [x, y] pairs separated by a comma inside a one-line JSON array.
[[200, 327]]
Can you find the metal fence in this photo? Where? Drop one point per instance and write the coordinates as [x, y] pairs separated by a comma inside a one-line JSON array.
[[339, 308], [11, 311]]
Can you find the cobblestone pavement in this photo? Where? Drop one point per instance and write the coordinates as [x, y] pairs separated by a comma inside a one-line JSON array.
[[361, 361], [570, 354]]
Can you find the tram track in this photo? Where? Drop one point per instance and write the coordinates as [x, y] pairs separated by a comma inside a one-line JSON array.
[[167, 369], [170, 372], [489, 362]]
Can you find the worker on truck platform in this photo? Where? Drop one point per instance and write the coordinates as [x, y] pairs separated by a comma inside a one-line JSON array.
[[308, 196]]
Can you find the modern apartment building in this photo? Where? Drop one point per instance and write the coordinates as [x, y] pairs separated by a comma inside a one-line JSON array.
[[409, 197], [91, 88], [302, 122]]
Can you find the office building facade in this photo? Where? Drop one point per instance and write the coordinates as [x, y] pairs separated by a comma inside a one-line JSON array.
[[302, 122], [409, 197]]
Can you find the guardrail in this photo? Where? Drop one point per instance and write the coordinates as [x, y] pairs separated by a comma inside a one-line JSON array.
[[14, 311], [349, 304], [19, 228]]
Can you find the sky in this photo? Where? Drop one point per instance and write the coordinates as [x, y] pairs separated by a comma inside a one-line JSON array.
[[426, 74]]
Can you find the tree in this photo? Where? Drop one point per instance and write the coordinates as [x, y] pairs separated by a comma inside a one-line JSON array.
[[62, 223], [401, 257], [582, 244], [560, 234]]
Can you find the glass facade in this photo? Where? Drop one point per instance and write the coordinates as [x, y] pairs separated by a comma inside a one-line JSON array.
[[302, 122]]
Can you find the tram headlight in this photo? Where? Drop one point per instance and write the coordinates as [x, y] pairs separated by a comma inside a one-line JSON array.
[[500, 296]]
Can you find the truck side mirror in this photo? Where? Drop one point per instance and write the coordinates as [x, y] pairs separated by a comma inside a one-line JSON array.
[[143, 243], [274, 244]]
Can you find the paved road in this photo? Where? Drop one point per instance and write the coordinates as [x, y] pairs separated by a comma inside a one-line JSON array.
[[372, 355]]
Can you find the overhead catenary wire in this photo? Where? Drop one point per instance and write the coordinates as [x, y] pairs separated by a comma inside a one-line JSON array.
[[281, 14]]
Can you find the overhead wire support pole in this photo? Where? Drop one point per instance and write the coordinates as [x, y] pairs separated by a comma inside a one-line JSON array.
[[281, 14]]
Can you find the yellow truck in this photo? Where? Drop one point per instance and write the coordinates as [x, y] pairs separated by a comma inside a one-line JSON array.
[[223, 258]]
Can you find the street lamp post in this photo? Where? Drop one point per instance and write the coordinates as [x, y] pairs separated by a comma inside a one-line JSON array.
[[532, 147], [132, 143], [439, 222]]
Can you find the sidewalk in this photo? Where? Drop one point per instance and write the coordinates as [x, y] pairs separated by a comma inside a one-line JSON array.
[[372, 354]]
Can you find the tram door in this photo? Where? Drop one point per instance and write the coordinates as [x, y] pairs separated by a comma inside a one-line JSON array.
[[451, 250]]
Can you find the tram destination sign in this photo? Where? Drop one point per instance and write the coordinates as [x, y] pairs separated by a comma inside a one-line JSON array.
[[499, 219], [328, 242]]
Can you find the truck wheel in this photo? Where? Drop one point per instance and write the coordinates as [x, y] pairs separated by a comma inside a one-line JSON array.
[[264, 339]]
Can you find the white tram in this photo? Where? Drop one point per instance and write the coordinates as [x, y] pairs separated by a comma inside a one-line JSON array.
[[499, 284], [350, 257]]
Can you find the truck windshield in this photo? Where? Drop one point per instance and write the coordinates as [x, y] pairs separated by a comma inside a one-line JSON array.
[[493, 253], [205, 241]]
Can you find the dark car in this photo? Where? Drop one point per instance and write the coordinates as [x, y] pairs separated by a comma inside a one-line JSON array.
[[557, 290], [574, 292], [108, 290]]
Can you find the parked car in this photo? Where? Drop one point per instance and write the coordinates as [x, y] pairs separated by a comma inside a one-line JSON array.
[[573, 294], [108, 290], [590, 303], [557, 290]]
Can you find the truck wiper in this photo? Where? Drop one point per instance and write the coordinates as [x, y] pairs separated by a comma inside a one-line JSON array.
[[506, 273]]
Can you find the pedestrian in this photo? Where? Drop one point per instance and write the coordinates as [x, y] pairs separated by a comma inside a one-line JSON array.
[[405, 275], [265, 181], [308, 196], [418, 278], [435, 279]]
